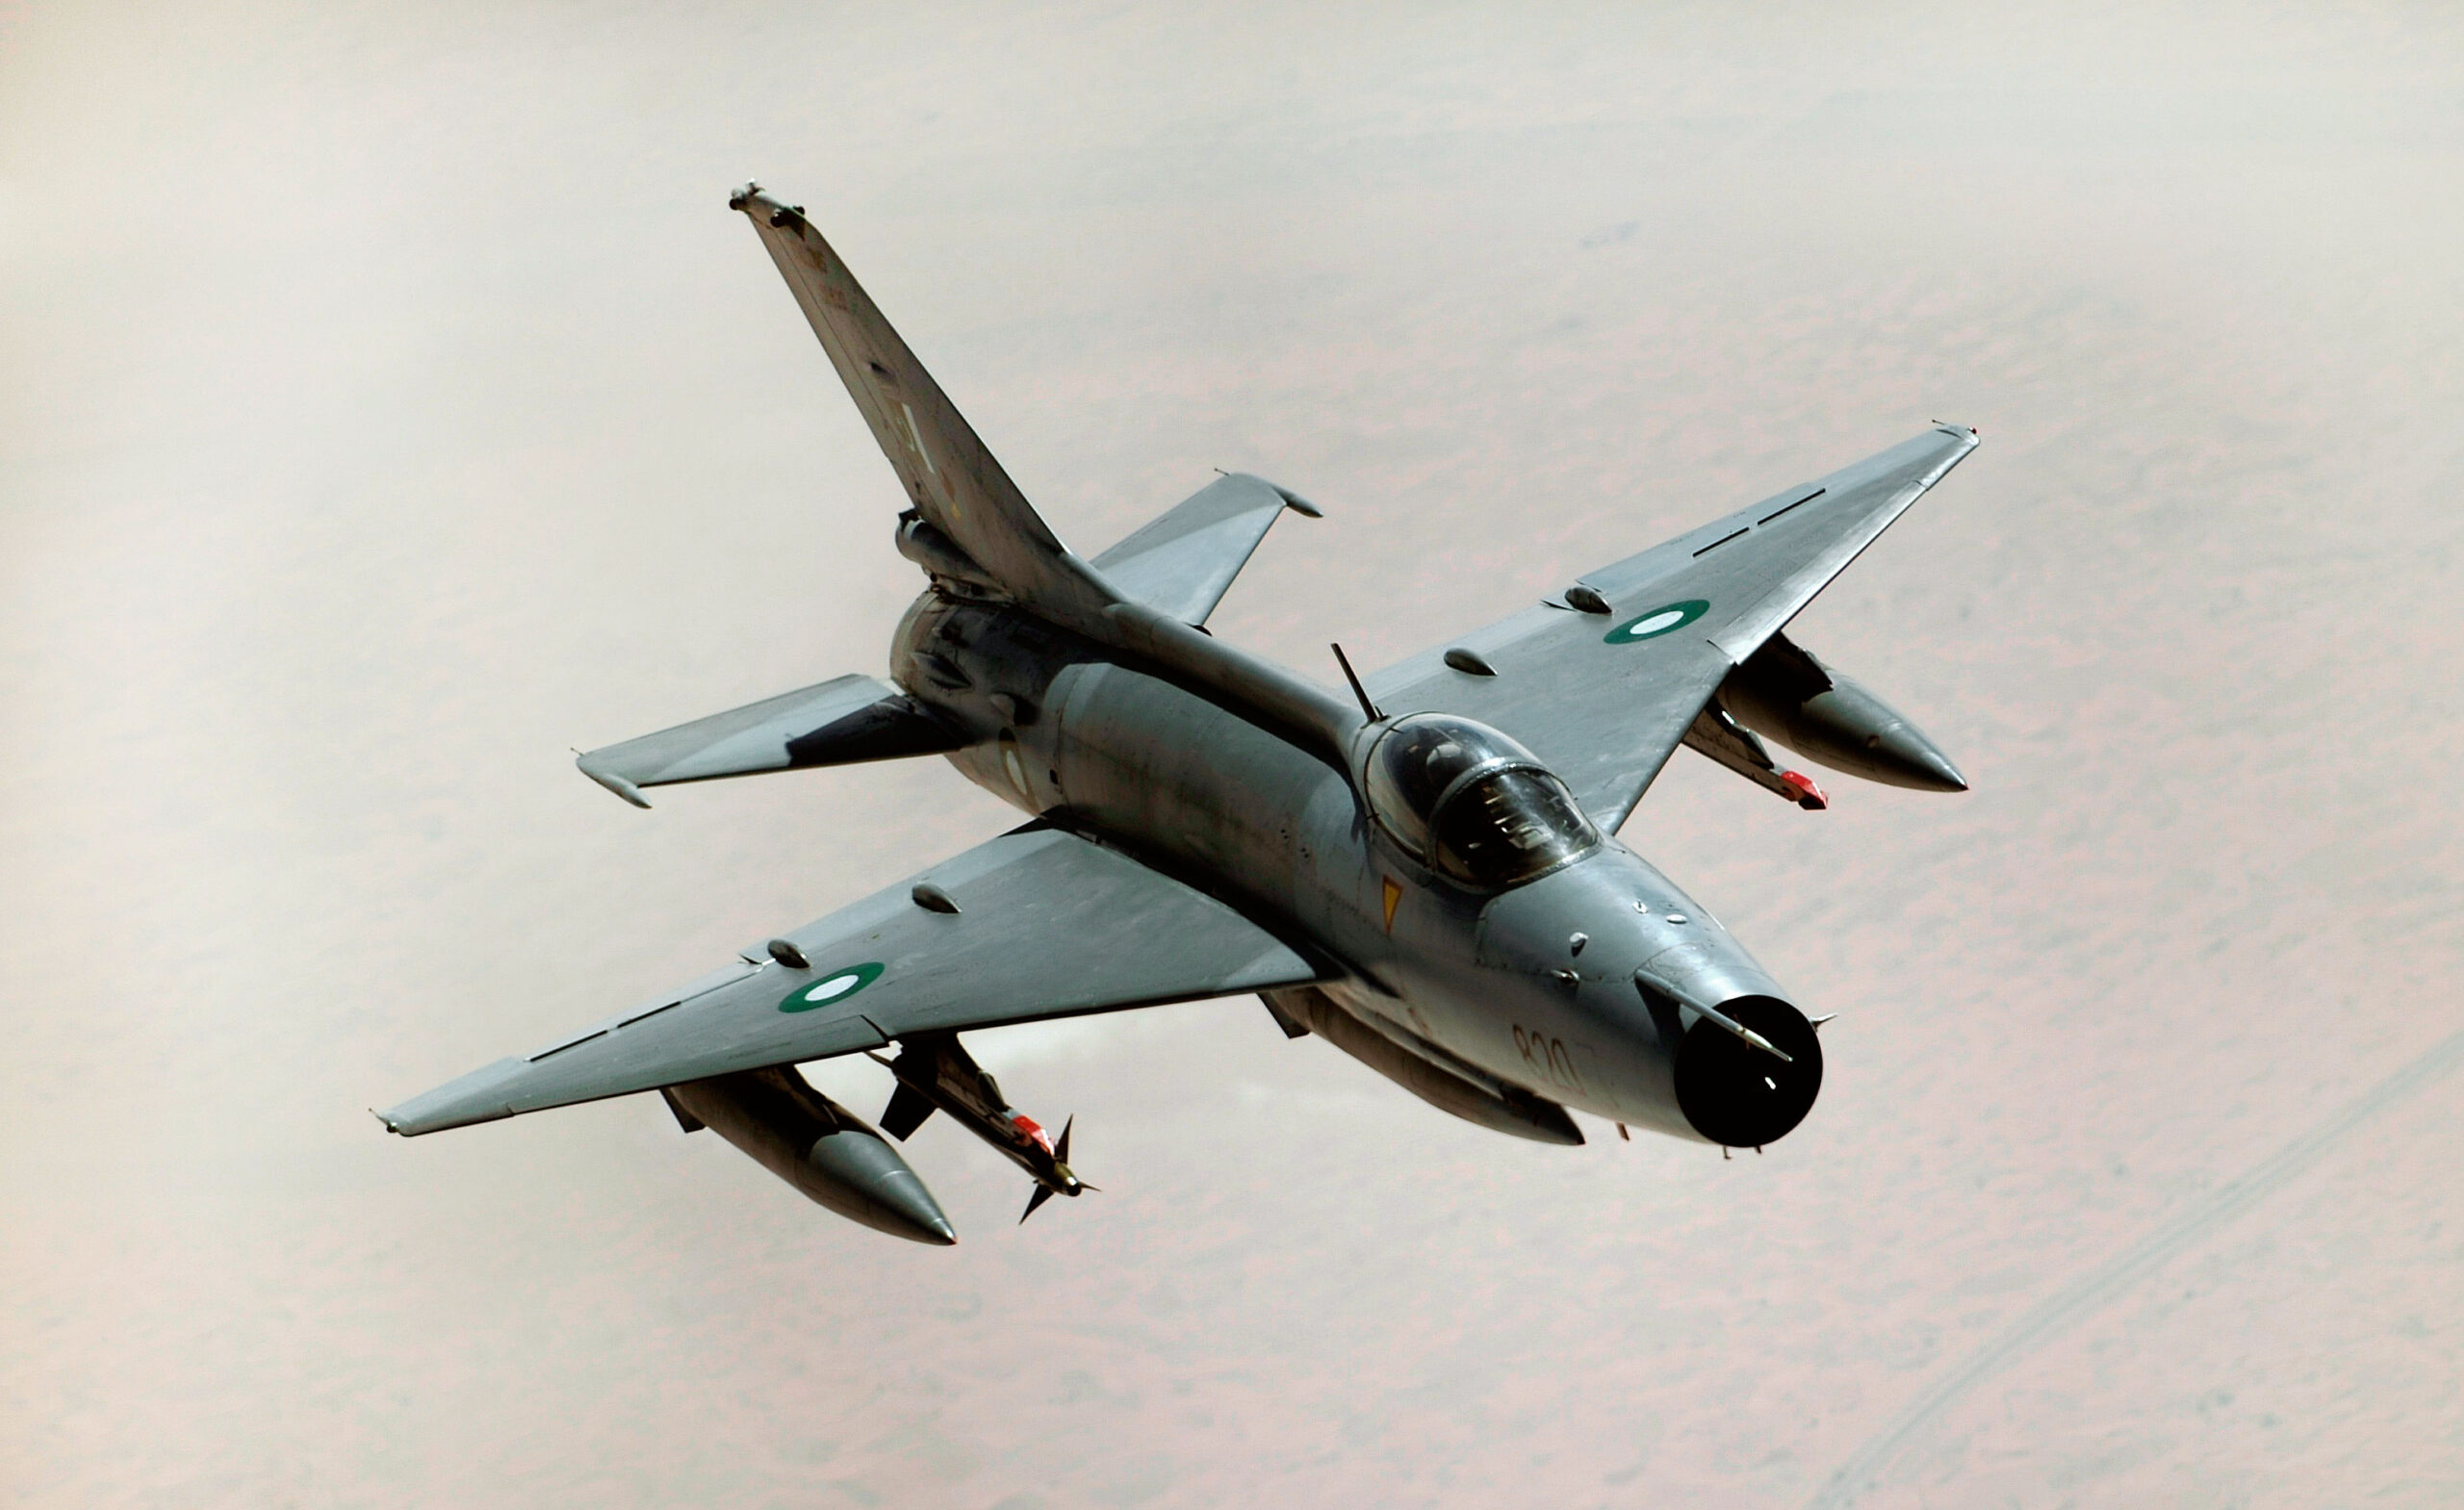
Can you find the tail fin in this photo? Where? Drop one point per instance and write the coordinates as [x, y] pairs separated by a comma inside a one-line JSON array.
[[951, 478], [982, 528]]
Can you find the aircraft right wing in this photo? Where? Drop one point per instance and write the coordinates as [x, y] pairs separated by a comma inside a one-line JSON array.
[[1604, 685], [1037, 923]]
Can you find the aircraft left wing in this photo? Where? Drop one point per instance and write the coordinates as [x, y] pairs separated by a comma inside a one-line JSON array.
[[1604, 685], [1037, 923]]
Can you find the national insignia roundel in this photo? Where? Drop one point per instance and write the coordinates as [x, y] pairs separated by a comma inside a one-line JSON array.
[[1662, 620], [835, 986]]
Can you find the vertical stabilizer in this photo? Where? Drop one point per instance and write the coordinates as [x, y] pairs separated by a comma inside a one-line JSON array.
[[975, 529], [951, 479]]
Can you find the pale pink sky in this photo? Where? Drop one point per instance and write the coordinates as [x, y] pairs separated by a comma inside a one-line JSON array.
[[388, 403]]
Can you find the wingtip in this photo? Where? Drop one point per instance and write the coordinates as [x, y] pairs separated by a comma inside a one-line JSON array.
[[1291, 499], [612, 781]]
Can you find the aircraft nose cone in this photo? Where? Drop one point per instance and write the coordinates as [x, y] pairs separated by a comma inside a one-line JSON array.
[[887, 1194]]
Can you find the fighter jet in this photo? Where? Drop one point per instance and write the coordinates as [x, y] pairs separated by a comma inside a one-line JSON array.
[[1421, 869]]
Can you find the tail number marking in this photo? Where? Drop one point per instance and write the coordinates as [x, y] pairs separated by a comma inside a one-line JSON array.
[[1547, 1057]]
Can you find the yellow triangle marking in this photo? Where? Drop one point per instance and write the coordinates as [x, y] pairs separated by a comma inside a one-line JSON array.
[[1394, 895]]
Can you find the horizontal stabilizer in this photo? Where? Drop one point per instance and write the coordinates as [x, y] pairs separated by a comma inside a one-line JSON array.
[[1183, 560], [845, 721]]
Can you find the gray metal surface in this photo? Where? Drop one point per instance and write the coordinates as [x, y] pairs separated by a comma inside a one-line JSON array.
[[816, 1145], [1786, 694], [1051, 926], [954, 484], [839, 721], [949, 475], [1181, 562], [1475, 1098], [1208, 821], [1601, 696]]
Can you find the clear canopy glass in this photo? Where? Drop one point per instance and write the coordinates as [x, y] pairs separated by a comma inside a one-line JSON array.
[[1470, 801]]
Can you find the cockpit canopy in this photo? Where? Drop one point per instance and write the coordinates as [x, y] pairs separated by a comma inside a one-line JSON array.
[[1468, 800]]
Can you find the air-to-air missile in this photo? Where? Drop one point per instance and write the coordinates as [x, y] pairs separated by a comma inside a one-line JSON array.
[[816, 1145], [936, 1073]]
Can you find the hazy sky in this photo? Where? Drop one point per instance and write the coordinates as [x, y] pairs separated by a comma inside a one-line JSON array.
[[388, 403]]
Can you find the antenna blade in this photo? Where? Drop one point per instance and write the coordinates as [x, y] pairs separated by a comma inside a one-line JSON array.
[[1367, 707]]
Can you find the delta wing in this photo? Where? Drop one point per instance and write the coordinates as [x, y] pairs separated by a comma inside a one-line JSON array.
[[1603, 685], [1034, 924]]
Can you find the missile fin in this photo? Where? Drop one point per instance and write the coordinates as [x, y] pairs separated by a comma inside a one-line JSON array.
[[1043, 1194]]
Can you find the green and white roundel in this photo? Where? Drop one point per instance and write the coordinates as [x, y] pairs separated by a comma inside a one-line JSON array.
[[1665, 619], [836, 987]]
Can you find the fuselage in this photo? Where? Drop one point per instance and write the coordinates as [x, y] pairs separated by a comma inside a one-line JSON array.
[[1534, 983]]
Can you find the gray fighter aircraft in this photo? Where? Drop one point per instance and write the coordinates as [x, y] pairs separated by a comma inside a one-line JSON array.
[[1424, 873]]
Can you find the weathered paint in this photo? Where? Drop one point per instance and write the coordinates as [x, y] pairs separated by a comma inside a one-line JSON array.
[[1064, 729]]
